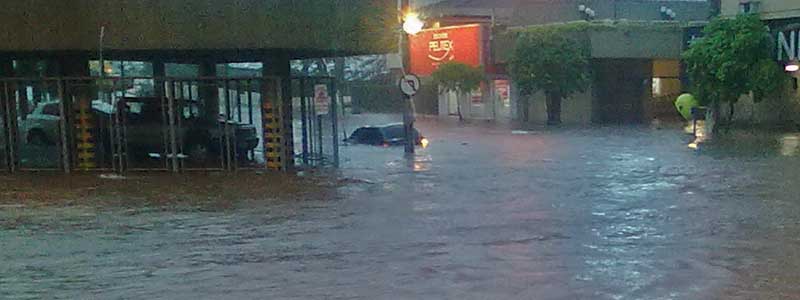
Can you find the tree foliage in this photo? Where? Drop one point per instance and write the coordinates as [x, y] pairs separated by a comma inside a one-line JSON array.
[[551, 59], [457, 77], [733, 58]]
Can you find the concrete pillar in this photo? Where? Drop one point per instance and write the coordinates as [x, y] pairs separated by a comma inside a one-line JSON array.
[[6, 115], [208, 91], [277, 67], [77, 66], [159, 72]]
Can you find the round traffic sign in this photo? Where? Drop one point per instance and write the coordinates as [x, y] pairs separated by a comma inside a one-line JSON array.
[[409, 84]]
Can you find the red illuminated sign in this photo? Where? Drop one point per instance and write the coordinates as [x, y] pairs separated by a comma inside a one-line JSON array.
[[432, 47]]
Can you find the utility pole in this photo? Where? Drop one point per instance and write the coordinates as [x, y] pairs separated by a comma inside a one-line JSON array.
[[408, 112], [100, 51]]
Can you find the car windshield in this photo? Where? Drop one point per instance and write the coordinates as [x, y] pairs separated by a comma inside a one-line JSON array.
[[394, 132], [368, 135], [51, 109]]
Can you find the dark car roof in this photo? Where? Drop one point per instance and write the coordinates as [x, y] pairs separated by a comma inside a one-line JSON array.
[[384, 128]]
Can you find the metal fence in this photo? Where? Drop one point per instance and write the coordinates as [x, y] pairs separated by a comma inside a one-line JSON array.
[[317, 122], [139, 123]]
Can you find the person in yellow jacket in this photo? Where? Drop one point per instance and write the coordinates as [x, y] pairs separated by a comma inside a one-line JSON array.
[[685, 103]]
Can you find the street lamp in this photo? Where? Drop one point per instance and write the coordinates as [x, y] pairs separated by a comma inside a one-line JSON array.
[[412, 24], [792, 66]]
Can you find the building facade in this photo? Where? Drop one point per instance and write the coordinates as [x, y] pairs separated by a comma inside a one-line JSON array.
[[636, 72], [783, 19]]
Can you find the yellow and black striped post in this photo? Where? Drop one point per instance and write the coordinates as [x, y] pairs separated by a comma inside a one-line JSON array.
[[273, 136], [85, 140]]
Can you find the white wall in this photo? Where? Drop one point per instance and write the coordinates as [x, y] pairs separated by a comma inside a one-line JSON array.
[[770, 9], [489, 109], [575, 110], [768, 111]]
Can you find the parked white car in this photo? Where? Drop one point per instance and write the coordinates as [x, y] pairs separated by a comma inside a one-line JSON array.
[[41, 126]]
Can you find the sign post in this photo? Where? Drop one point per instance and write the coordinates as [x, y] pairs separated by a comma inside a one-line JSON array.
[[322, 101], [409, 85]]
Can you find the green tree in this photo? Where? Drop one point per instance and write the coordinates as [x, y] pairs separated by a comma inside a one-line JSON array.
[[552, 59], [732, 59], [459, 78]]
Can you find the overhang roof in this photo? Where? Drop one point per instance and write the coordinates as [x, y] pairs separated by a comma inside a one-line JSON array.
[[301, 28]]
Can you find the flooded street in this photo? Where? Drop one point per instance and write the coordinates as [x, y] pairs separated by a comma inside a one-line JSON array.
[[482, 213]]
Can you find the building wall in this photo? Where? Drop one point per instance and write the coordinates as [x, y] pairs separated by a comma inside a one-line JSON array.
[[526, 12], [770, 9], [638, 40], [575, 110], [784, 108], [491, 107], [664, 42], [619, 94]]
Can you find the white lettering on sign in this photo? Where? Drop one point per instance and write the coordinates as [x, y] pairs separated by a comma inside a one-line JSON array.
[[441, 48], [788, 47]]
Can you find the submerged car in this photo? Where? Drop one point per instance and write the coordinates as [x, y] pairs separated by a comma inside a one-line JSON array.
[[386, 135]]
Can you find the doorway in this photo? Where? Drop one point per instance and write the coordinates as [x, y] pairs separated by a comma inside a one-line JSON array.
[[620, 89]]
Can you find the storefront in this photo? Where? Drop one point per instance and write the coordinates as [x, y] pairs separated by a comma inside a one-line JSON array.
[[635, 76], [638, 65], [468, 44], [782, 17]]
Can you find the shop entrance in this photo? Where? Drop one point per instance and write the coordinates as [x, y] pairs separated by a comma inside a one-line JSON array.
[[620, 89]]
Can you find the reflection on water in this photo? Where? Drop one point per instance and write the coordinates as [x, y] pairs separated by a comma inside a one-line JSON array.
[[739, 142], [421, 163], [698, 129]]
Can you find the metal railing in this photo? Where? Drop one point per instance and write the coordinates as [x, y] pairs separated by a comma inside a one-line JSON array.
[[125, 124]]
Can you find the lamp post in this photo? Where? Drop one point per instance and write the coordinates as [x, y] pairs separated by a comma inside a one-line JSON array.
[[411, 26]]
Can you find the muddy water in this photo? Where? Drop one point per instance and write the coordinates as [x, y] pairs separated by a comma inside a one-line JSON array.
[[483, 213]]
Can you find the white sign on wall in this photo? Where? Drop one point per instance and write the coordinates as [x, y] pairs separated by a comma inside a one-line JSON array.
[[409, 84], [322, 101]]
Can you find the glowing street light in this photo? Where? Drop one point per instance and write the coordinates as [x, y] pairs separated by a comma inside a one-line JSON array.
[[792, 66], [412, 24]]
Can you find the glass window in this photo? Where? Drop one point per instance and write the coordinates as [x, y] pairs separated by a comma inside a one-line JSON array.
[[51, 110], [394, 132], [372, 136]]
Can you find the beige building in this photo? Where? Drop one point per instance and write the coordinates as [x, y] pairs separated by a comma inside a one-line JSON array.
[[636, 65], [768, 9], [783, 19]]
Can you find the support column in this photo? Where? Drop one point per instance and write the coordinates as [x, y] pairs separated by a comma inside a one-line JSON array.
[[79, 138], [277, 112], [7, 115], [208, 91], [159, 72]]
